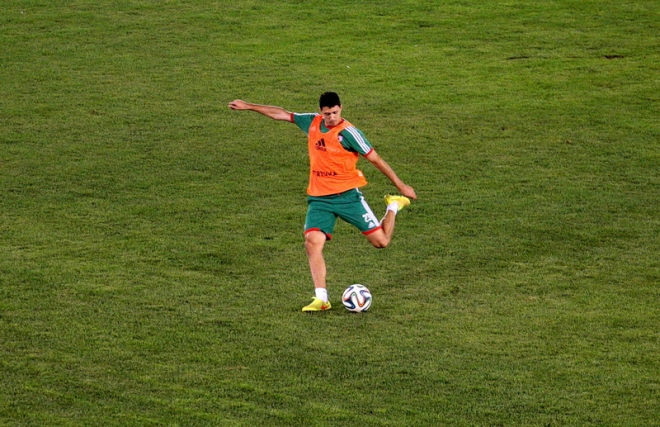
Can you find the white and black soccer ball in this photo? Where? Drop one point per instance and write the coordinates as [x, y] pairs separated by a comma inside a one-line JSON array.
[[357, 298]]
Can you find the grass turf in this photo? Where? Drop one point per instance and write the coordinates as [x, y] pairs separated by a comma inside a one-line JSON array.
[[151, 259]]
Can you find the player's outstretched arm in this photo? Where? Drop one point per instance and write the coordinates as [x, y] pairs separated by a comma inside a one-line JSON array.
[[382, 166], [275, 113]]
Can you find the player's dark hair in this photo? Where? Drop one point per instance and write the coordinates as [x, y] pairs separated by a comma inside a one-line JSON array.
[[329, 99]]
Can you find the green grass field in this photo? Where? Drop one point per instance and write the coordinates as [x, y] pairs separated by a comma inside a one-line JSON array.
[[152, 266]]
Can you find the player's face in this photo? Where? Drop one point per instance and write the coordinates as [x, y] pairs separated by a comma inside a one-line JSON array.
[[331, 115]]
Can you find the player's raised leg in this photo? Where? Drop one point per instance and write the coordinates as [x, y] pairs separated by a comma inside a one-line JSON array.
[[382, 238]]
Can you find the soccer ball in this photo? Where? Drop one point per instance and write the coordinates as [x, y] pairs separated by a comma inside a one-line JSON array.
[[357, 298]]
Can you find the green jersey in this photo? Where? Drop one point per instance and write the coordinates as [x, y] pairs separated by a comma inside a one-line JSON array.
[[351, 138]]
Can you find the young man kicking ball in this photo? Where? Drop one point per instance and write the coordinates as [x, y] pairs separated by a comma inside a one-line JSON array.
[[334, 146]]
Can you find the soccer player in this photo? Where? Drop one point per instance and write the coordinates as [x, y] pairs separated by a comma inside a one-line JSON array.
[[334, 146]]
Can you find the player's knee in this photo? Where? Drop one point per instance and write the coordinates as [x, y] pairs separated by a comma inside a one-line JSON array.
[[311, 247], [380, 243], [314, 241]]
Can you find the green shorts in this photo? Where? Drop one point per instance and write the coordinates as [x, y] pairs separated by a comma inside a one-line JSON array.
[[322, 213]]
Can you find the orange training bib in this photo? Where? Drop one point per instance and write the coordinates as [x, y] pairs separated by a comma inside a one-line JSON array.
[[332, 168]]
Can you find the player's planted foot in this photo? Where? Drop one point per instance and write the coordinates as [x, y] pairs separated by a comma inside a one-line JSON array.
[[402, 201], [317, 305]]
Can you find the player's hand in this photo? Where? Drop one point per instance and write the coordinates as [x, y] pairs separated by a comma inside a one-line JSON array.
[[238, 105], [408, 191]]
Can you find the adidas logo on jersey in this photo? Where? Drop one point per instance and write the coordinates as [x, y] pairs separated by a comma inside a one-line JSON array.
[[320, 145]]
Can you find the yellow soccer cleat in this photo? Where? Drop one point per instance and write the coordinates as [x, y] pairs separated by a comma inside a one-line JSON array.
[[317, 305], [399, 200]]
